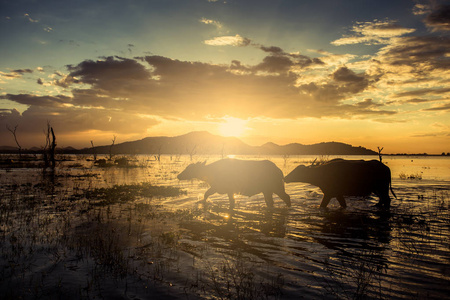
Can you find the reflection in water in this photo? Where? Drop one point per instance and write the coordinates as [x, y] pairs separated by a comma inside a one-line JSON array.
[[240, 230], [359, 252], [360, 229]]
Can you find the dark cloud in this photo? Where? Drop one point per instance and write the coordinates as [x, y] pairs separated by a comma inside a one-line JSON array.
[[423, 54], [343, 83], [109, 72], [423, 92], [364, 108], [439, 19], [275, 64], [18, 73], [238, 66], [368, 103], [37, 101], [443, 107], [361, 109], [272, 49], [417, 100], [281, 62], [344, 74], [65, 81], [5, 113], [22, 71]]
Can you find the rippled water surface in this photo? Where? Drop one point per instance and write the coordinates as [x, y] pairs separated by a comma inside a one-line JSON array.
[[302, 251]]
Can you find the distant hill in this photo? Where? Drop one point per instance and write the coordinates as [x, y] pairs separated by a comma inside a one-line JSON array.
[[32, 150], [5, 149], [202, 142]]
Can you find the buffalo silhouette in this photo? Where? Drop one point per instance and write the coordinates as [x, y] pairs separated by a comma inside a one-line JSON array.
[[339, 177], [234, 176]]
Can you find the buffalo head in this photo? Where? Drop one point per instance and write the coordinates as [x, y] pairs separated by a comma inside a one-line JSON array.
[[192, 171], [298, 174]]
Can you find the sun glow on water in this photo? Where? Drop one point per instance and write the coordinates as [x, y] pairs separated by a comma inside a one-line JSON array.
[[232, 127]]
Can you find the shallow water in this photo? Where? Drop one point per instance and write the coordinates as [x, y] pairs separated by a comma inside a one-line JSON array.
[[359, 252]]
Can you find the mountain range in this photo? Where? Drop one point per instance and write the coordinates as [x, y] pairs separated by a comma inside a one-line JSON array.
[[203, 142]]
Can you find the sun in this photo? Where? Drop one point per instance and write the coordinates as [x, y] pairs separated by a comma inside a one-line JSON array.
[[232, 127]]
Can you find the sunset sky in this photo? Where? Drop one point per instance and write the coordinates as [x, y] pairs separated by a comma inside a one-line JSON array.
[[364, 72]]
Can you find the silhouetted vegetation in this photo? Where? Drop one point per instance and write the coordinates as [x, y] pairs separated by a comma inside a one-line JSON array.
[[13, 131], [48, 152]]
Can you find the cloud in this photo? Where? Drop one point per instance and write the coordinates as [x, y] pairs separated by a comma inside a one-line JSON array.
[[30, 19], [439, 19], [64, 81], [75, 120], [331, 59], [443, 107], [34, 100], [22, 71], [236, 40], [279, 61], [420, 54], [275, 64], [423, 92], [69, 122], [364, 108], [272, 49], [376, 32], [217, 24], [109, 94], [421, 9], [344, 74], [15, 73], [108, 74]]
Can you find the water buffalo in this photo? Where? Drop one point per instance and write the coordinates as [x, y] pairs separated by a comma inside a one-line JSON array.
[[233, 176], [339, 178]]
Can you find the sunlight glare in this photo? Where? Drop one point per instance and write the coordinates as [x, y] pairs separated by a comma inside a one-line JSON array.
[[232, 127]]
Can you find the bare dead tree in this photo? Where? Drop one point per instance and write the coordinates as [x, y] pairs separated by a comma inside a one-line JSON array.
[[45, 150], [49, 148], [13, 131], [158, 155], [93, 151], [379, 153], [110, 148], [192, 152], [52, 148]]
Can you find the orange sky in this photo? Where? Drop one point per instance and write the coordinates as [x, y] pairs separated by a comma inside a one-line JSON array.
[[283, 71]]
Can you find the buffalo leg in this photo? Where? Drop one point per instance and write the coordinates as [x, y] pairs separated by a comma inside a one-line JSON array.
[[208, 193], [231, 198], [385, 200], [325, 200], [269, 199], [341, 200], [283, 196]]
